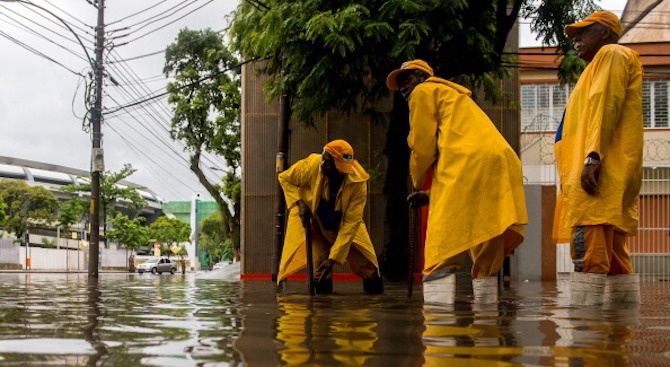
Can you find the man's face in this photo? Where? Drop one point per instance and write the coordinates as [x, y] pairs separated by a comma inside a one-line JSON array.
[[589, 40], [408, 80], [328, 164]]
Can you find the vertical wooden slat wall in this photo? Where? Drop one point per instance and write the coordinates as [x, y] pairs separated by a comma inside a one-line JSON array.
[[259, 129]]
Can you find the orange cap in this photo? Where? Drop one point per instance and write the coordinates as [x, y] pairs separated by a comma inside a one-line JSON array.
[[604, 17], [392, 78], [342, 153]]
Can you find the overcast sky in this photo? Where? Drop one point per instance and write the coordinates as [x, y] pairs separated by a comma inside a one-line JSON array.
[[42, 97]]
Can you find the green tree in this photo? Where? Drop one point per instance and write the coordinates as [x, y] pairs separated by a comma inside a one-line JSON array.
[[71, 211], [205, 94], [3, 214], [213, 240], [548, 21], [128, 232], [112, 193], [169, 231], [335, 55], [26, 207]]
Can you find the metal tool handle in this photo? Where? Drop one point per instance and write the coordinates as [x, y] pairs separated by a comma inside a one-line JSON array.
[[311, 289], [413, 238]]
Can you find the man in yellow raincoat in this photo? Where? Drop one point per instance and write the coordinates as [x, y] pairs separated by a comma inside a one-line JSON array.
[[331, 188], [477, 204], [599, 159]]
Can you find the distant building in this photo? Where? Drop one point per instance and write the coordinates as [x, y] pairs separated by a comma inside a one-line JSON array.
[[51, 177]]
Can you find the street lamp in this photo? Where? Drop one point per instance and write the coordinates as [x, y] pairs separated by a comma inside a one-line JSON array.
[[97, 158]]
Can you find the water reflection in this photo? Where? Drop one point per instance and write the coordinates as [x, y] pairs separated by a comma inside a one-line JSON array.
[[181, 320]]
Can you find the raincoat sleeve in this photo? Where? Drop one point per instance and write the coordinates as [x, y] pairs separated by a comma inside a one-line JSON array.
[[293, 179], [422, 138], [605, 101], [352, 217]]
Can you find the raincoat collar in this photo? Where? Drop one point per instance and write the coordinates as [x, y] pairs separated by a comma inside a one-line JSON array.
[[459, 88]]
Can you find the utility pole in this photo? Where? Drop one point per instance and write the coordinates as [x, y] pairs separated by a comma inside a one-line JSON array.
[[280, 166], [97, 157]]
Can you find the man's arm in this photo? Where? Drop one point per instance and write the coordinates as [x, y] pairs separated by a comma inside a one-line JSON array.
[[352, 217], [295, 177]]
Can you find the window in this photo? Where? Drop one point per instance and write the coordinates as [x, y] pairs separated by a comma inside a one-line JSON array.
[[660, 104], [542, 106]]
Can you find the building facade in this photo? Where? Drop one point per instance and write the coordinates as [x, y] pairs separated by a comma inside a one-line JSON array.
[[543, 99]]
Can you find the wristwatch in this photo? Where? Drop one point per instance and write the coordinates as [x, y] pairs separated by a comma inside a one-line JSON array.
[[589, 161]]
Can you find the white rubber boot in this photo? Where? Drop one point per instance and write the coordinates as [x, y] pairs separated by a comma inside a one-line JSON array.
[[485, 290], [586, 289], [440, 291], [623, 288]]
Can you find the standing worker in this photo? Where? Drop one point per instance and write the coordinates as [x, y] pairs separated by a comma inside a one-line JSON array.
[[477, 204], [599, 159], [331, 188]]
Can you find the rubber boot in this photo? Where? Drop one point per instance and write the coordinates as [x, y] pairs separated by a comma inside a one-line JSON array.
[[485, 290], [373, 286], [440, 291], [323, 287], [586, 289], [623, 288]]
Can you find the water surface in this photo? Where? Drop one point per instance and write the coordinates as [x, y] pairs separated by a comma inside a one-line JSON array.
[[194, 320]]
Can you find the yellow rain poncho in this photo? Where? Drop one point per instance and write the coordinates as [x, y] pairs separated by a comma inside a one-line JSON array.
[[477, 189], [304, 180], [603, 115]]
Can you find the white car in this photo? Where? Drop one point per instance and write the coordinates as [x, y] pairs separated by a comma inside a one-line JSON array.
[[156, 265], [220, 265]]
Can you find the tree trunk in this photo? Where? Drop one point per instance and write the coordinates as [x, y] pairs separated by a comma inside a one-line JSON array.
[[396, 216]]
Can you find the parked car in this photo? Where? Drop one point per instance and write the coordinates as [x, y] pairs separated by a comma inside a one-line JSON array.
[[157, 265], [220, 265]]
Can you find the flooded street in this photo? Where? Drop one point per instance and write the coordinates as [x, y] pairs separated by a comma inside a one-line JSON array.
[[190, 320]]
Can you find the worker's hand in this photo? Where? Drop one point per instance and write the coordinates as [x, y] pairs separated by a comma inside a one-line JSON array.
[[326, 269], [589, 178], [418, 199], [304, 213]]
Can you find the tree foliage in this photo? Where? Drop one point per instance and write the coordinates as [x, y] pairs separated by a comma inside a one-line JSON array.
[[26, 207], [3, 214], [71, 211], [128, 232], [112, 193], [169, 231], [213, 240], [548, 21], [205, 94], [336, 54]]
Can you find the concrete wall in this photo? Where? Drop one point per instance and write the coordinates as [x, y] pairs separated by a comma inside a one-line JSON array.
[[535, 259], [13, 256]]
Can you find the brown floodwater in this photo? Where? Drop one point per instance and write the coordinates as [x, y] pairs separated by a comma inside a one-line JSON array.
[[190, 320]]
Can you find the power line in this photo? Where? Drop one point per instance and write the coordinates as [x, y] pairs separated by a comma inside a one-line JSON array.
[[45, 38], [165, 25], [158, 52], [160, 16], [136, 13], [38, 53], [149, 98]]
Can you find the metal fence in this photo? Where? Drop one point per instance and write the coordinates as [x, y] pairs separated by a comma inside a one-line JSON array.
[[650, 249]]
